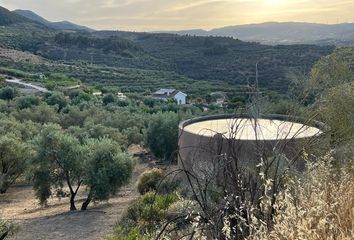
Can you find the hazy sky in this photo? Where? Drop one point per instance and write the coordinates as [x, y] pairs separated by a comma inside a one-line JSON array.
[[151, 15]]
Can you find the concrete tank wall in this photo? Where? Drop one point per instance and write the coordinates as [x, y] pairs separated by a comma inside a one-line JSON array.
[[198, 153]]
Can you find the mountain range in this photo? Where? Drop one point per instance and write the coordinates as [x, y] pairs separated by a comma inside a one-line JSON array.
[[140, 62], [273, 33], [7, 17], [62, 25], [283, 33]]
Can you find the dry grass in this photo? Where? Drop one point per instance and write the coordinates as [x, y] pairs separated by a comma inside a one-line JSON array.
[[320, 206], [19, 56]]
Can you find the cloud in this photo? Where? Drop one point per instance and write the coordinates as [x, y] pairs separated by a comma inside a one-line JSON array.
[[184, 14]]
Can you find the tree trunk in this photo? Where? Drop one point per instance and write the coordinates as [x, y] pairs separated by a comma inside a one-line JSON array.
[[3, 187], [87, 201], [72, 202], [4, 183], [3, 236], [72, 192]]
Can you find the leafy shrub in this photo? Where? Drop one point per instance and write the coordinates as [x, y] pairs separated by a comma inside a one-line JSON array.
[[133, 135], [150, 180], [8, 93], [162, 134], [167, 186], [13, 158], [108, 99], [147, 212], [27, 101], [123, 103], [42, 113], [99, 131], [57, 98], [133, 234]]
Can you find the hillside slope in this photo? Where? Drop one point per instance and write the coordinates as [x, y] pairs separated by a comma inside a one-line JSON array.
[[226, 59], [8, 18], [63, 25], [284, 33], [21, 33], [169, 57]]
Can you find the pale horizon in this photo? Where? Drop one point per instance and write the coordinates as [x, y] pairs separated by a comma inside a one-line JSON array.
[[174, 15]]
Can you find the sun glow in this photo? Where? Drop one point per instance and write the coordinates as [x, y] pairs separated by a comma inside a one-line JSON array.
[[275, 2]]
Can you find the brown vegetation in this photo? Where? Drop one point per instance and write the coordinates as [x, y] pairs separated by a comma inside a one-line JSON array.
[[17, 56], [318, 206]]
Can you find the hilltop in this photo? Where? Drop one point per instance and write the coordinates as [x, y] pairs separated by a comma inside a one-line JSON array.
[[284, 33], [144, 61], [8, 18], [62, 25]]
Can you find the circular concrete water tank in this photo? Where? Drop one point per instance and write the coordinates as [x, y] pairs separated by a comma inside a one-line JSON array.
[[204, 141]]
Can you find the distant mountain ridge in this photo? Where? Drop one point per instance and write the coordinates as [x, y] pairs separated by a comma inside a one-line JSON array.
[[8, 18], [282, 33], [148, 61], [63, 25], [272, 33]]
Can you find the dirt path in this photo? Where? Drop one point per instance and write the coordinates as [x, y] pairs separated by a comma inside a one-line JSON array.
[[56, 222], [27, 85]]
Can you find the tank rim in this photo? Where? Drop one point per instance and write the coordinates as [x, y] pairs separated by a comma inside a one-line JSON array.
[[312, 123]]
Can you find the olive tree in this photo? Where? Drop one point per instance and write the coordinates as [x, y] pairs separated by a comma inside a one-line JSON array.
[[58, 162], [13, 159], [108, 99], [27, 101], [162, 134], [42, 113], [57, 98], [8, 93], [107, 169], [62, 160]]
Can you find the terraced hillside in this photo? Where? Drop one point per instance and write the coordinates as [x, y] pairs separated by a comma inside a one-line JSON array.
[[144, 61]]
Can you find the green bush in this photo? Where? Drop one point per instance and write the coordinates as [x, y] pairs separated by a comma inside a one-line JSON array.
[[27, 102], [162, 135], [133, 135], [57, 98], [108, 99], [147, 213], [168, 187], [150, 180], [8, 93], [133, 234]]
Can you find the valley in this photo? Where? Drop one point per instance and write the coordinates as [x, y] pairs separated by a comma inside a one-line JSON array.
[[150, 60], [241, 132]]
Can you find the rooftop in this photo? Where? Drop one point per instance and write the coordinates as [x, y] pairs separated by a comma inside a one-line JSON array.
[[163, 91], [167, 92]]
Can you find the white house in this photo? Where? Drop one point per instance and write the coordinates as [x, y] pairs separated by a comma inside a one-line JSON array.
[[165, 93], [121, 96], [97, 93]]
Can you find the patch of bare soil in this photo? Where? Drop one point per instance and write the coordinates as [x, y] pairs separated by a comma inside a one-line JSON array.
[[18, 56], [57, 222]]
